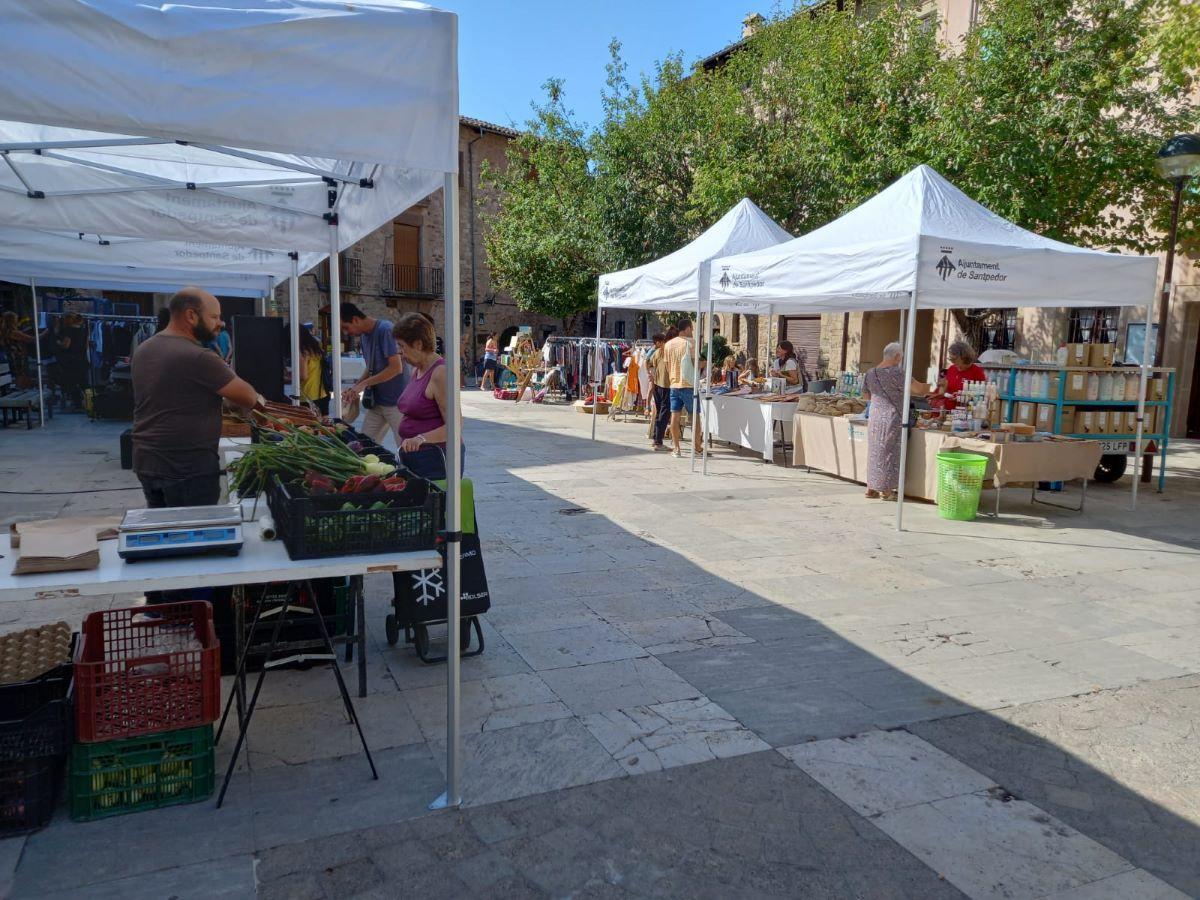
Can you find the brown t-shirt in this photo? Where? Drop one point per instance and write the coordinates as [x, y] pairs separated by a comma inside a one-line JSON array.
[[176, 408]]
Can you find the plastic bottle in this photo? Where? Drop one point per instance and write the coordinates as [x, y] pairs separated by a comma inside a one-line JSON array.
[[1132, 380], [1093, 386], [1106, 386], [1060, 355]]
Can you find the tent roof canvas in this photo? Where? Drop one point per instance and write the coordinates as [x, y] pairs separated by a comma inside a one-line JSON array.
[[923, 234], [675, 281]]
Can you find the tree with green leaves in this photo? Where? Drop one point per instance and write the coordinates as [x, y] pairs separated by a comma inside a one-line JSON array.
[[1051, 116], [1174, 43], [546, 245]]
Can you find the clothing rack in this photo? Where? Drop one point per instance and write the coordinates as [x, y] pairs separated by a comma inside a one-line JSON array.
[[96, 361], [584, 353]]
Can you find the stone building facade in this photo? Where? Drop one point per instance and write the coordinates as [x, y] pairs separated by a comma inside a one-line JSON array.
[[398, 268]]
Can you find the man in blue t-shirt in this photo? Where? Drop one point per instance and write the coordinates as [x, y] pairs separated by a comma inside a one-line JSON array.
[[385, 376]]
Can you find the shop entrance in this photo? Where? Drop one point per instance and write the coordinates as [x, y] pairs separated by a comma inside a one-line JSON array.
[[1193, 416]]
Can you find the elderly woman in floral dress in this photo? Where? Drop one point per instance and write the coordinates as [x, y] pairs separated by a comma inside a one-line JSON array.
[[884, 387]]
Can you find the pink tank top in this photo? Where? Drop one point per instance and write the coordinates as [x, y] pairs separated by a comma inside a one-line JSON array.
[[421, 414]]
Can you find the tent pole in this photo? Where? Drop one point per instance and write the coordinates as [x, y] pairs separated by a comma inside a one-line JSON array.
[[294, 319], [706, 401], [37, 343], [1143, 379], [597, 378], [335, 321], [453, 795], [904, 413], [695, 378]]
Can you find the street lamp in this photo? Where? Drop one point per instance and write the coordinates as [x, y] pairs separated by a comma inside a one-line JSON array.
[[1178, 160]]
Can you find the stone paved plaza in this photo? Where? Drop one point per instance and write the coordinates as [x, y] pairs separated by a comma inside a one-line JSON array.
[[745, 685]]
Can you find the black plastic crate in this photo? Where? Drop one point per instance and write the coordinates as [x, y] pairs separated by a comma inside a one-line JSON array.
[[29, 792], [37, 716], [312, 527]]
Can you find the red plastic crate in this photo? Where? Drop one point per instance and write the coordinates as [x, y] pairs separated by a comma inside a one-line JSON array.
[[147, 669]]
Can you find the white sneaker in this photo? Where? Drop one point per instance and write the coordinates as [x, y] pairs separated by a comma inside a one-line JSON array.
[[678, 454]]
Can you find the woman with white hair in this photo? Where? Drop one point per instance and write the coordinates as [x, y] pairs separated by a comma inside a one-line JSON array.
[[884, 387]]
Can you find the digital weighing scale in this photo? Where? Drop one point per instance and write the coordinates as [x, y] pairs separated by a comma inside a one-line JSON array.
[[180, 531]]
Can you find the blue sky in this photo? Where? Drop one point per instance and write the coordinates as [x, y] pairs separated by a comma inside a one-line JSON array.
[[508, 48]]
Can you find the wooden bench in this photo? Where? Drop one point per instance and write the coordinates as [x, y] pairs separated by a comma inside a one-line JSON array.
[[16, 403]]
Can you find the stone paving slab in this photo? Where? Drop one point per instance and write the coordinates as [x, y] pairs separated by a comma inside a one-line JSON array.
[[1119, 766], [749, 826]]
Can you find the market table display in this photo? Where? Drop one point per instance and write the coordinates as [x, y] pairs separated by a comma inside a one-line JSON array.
[[838, 445], [748, 421]]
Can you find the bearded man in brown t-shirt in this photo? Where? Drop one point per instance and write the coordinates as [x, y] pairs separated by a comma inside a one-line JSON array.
[[178, 385]]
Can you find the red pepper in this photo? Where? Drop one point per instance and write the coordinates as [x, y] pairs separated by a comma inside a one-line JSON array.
[[368, 485], [351, 485]]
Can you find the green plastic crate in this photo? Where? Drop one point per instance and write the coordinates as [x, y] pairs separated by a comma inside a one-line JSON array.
[[148, 772]]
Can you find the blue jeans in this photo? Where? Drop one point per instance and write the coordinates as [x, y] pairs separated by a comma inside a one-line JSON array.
[[681, 399]]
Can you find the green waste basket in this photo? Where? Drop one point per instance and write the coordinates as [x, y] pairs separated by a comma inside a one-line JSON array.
[[960, 481]]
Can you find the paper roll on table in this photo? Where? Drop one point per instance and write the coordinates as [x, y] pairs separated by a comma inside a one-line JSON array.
[[266, 528]]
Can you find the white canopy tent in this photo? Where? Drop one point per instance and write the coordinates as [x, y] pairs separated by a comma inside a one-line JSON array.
[[679, 281], [923, 243], [297, 125], [90, 261]]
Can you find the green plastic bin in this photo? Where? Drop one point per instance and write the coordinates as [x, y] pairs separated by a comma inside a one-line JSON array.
[[960, 481]]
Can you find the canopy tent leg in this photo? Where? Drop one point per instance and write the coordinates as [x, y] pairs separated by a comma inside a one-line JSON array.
[[908, 363], [705, 406], [453, 794], [37, 343], [294, 320], [335, 321], [1143, 380], [695, 378], [597, 379], [770, 339]]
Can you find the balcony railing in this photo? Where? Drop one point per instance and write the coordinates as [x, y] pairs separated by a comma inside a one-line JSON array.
[[349, 272], [413, 281]]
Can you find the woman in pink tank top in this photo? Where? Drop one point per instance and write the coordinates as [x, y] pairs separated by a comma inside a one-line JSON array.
[[422, 431]]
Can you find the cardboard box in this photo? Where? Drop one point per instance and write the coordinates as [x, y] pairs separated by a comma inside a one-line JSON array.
[[1078, 354], [1027, 413], [1076, 388], [1129, 422], [1045, 417], [1102, 422], [1159, 387], [1085, 422], [1068, 420], [1101, 355]]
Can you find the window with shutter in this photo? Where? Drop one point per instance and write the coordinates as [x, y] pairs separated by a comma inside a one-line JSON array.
[[805, 334]]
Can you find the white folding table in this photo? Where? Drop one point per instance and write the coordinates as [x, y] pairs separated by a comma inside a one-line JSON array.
[[260, 562]]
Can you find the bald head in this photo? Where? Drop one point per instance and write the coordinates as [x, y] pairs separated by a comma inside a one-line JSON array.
[[196, 313]]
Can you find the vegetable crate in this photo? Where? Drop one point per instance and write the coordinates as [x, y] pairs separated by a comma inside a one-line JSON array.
[[147, 669], [28, 792], [317, 526], [130, 775], [36, 716]]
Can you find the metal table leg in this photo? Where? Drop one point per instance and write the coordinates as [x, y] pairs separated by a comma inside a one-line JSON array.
[[360, 624]]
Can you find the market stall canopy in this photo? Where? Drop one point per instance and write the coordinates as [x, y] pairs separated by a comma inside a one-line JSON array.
[[924, 235], [44, 253], [252, 122], [85, 277], [677, 280]]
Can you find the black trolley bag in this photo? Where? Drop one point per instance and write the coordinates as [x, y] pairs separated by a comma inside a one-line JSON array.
[[420, 597]]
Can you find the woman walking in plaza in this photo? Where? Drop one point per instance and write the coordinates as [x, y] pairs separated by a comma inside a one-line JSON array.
[[491, 364], [884, 388]]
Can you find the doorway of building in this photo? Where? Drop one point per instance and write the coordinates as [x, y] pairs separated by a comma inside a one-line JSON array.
[[1193, 417]]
